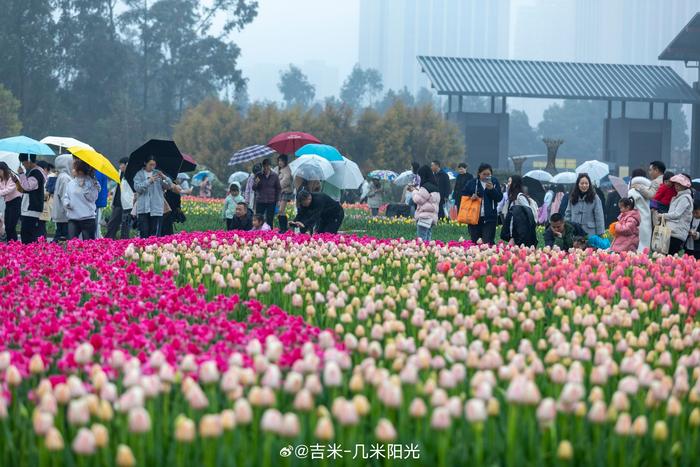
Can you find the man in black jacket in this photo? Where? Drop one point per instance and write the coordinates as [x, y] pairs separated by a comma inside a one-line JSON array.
[[462, 178], [318, 210], [243, 219], [443, 184]]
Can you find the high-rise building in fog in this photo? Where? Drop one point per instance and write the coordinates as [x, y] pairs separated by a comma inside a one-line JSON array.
[[394, 32]]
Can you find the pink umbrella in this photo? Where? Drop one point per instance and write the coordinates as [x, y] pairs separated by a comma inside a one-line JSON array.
[[289, 142]]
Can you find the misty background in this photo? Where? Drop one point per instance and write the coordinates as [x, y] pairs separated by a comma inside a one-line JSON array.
[[115, 72]]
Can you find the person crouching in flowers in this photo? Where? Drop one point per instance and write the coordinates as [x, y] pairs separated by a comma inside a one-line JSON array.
[[259, 223], [319, 212], [427, 201], [232, 199], [79, 200], [626, 227], [243, 218]]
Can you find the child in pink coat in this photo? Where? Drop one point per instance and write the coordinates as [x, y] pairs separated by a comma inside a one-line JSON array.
[[627, 227]]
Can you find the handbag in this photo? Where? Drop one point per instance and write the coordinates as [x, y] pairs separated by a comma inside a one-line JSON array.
[[661, 238], [469, 210], [424, 223]]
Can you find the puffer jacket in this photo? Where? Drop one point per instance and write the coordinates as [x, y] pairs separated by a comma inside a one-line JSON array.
[[680, 214], [641, 205], [626, 232], [63, 166], [427, 205]]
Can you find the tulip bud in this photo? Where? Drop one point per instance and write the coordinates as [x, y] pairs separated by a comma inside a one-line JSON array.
[[42, 422], [101, 435], [13, 376], [53, 440], [84, 442], [210, 426], [184, 429], [565, 451], [36, 365], [694, 419], [139, 420], [228, 419], [385, 430], [83, 354], [660, 430], [125, 458], [324, 429]]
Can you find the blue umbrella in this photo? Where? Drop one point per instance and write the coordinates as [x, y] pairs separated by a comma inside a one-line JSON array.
[[250, 153], [323, 150], [199, 177], [23, 144]]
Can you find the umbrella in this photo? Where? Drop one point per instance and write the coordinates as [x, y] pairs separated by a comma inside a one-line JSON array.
[[383, 175], [23, 144], [312, 167], [188, 164], [405, 178], [534, 189], [327, 152], [199, 177], [250, 153], [182, 176], [239, 177], [619, 185], [11, 159], [565, 178], [540, 175], [64, 143], [347, 175], [167, 155], [95, 160], [595, 169], [289, 142]]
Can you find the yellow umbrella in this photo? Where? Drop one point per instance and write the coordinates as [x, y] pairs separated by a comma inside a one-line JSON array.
[[96, 160]]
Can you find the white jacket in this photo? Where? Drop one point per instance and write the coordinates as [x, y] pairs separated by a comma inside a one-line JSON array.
[[642, 207]]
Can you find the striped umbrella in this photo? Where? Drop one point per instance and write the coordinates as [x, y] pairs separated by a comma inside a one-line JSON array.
[[250, 153]]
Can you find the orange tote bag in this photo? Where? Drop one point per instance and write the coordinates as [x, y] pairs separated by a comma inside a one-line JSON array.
[[469, 210]]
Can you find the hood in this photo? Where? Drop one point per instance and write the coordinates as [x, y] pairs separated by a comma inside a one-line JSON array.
[[236, 184], [640, 181], [633, 213], [63, 164]]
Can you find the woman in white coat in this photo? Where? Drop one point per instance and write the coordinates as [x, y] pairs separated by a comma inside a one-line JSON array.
[[639, 178]]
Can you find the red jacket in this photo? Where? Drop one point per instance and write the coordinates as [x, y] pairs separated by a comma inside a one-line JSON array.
[[665, 194]]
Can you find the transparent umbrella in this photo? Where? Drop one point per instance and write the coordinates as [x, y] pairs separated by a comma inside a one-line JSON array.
[[312, 167]]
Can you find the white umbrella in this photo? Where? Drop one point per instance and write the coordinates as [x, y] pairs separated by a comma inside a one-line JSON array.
[[564, 178], [539, 175], [312, 167], [595, 169], [238, 177], [65, 142], [404, 178], [696, 180], [347, 175], [182, 176], [11, 159]]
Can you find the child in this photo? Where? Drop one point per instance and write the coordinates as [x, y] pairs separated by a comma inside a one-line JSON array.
[[692, 245], [626, 227], [259, 223], [662, 200], [232, 199]]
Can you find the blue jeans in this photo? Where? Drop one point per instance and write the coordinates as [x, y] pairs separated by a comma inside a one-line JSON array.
[[425, 233]]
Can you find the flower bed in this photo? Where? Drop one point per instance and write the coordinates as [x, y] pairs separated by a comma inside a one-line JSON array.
[[239, 349]]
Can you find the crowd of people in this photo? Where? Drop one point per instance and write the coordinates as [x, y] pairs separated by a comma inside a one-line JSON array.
[[266, 195], [577, 218], [73, 195]]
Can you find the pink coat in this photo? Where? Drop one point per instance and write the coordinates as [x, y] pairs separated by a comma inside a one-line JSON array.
[[427, 205], [627, 232]]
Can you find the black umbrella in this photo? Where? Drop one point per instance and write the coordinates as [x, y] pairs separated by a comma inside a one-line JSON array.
[[166, 154], [534, 189], [188, 164]]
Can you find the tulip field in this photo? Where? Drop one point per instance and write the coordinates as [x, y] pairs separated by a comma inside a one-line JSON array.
[[247, 349]]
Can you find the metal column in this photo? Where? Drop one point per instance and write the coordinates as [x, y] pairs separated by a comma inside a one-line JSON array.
[[695, 137]]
